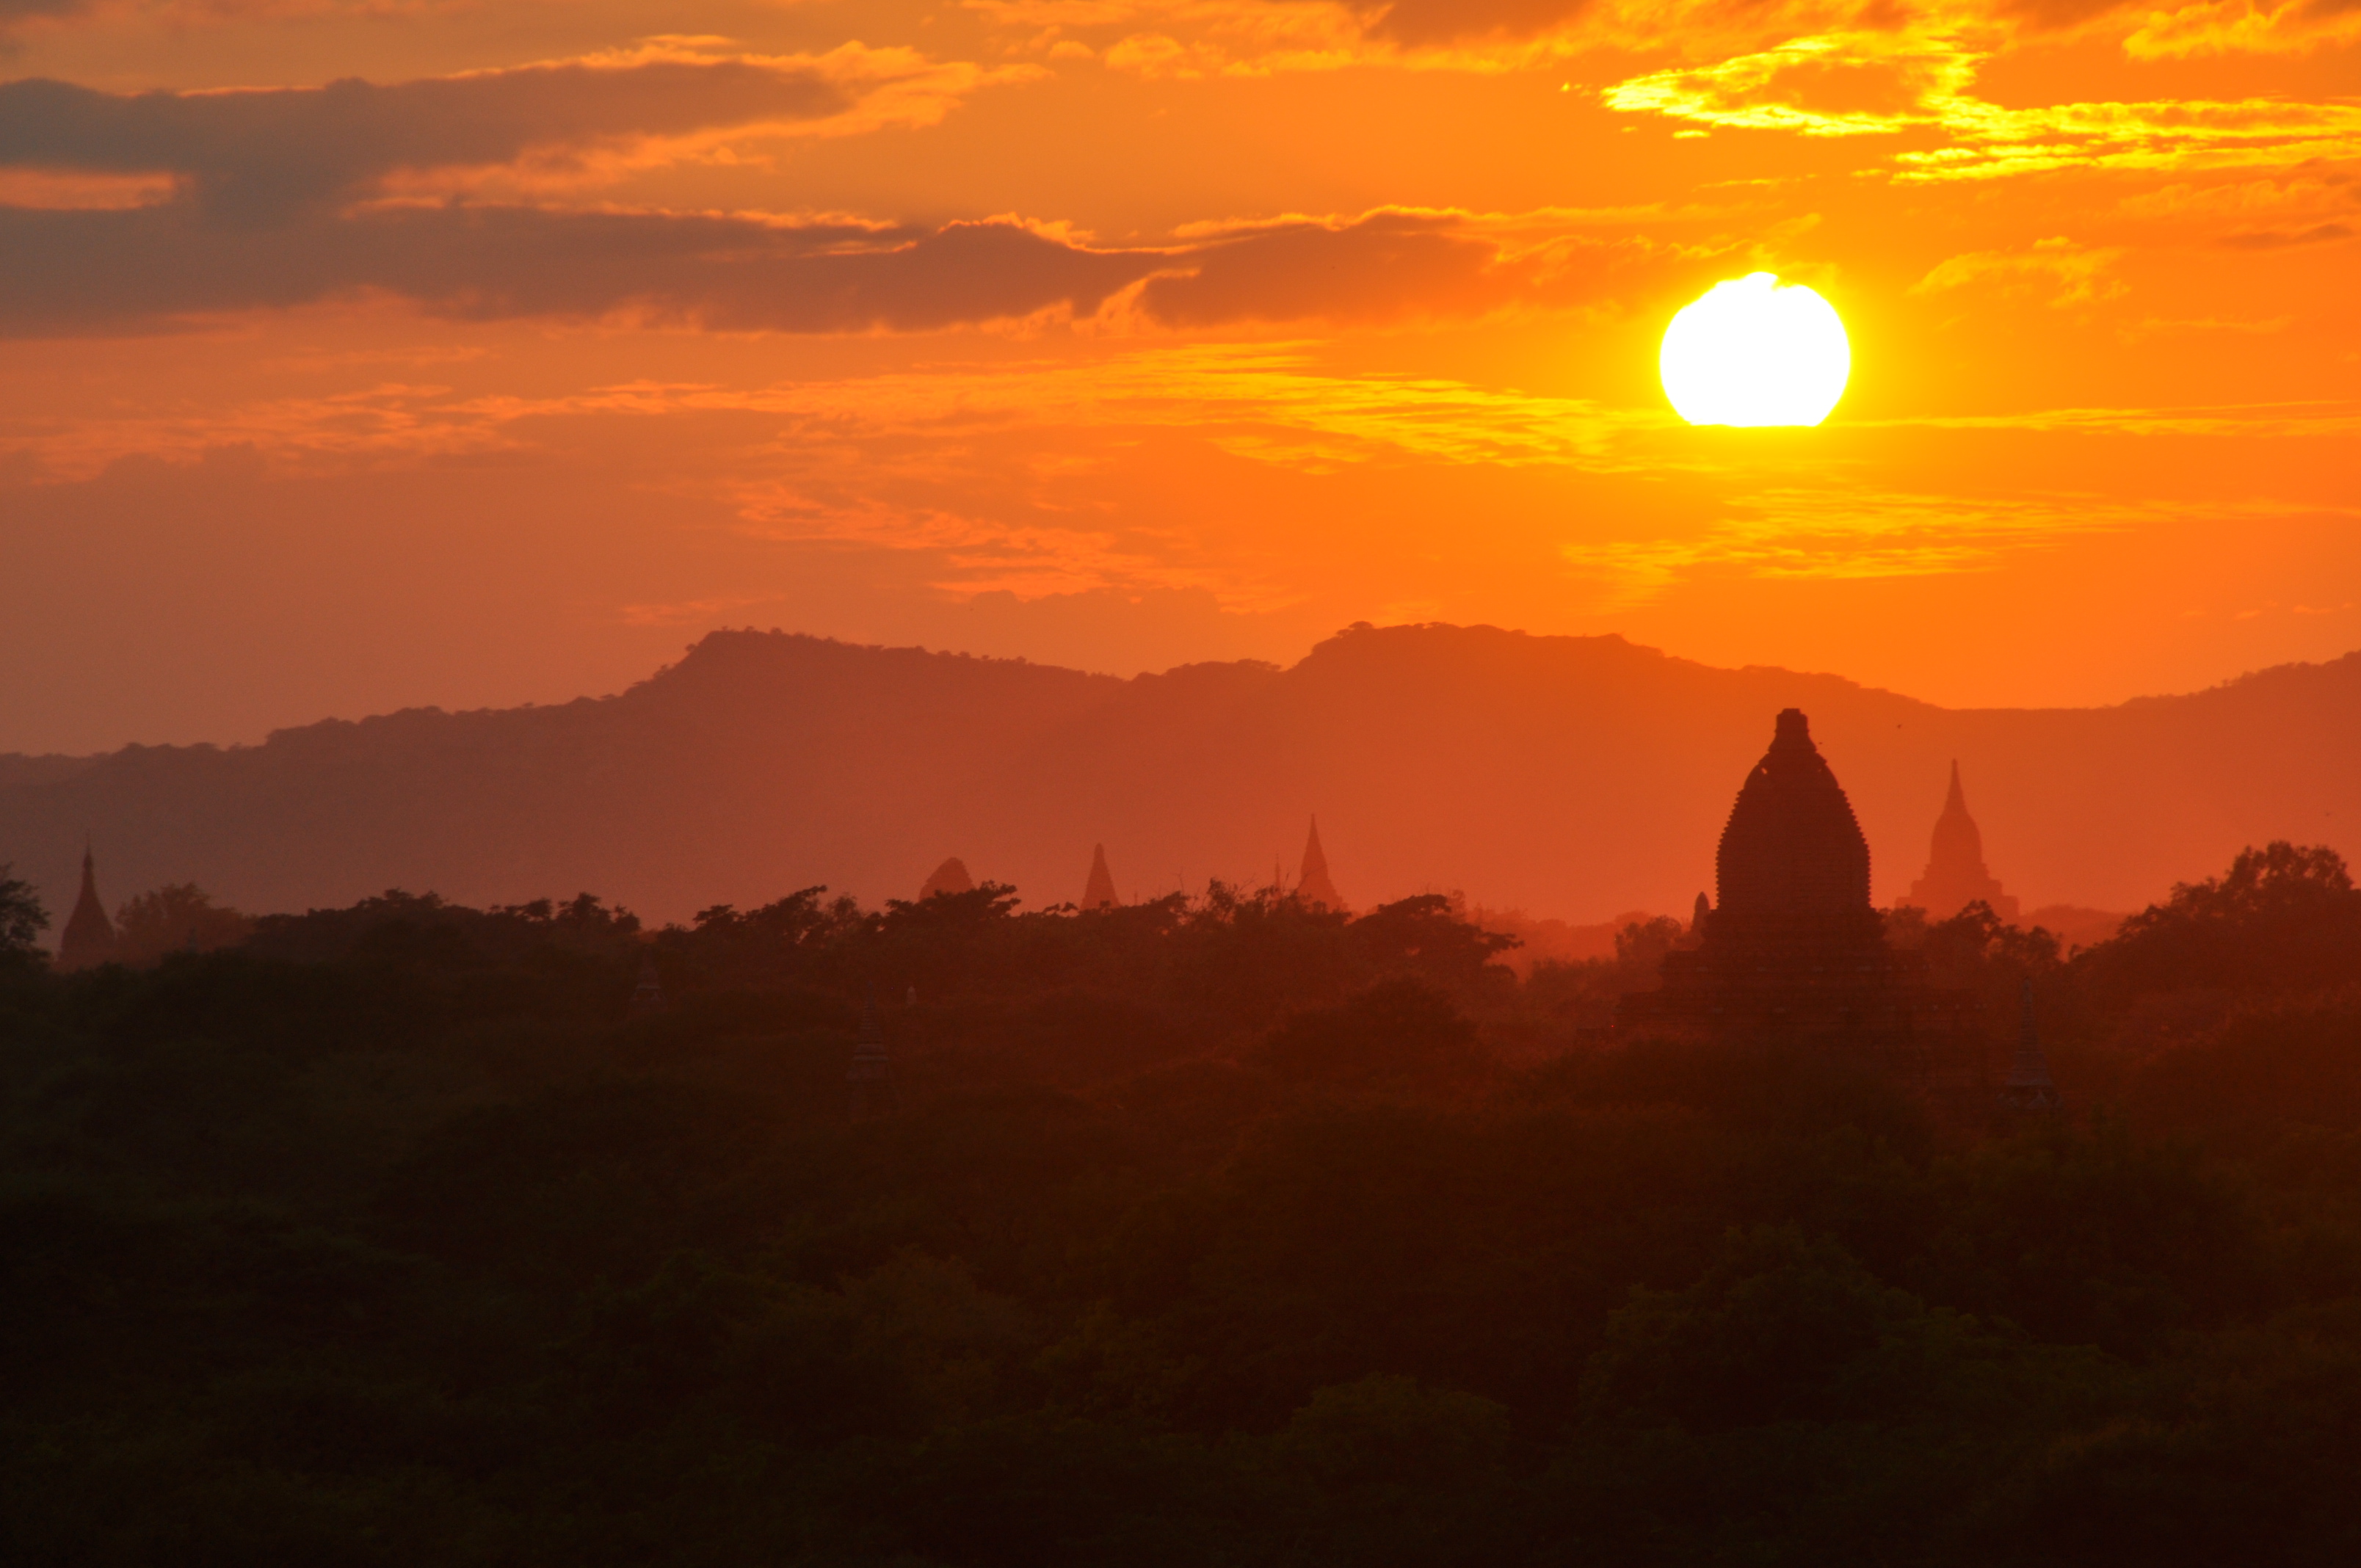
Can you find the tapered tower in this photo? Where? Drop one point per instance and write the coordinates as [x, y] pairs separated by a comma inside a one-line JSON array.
[[89, 936], [1098, 892], [1956, 876], [1314, 886], [949, 877]]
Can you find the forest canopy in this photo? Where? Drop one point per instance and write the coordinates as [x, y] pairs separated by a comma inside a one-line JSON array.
[[1217, 1229]]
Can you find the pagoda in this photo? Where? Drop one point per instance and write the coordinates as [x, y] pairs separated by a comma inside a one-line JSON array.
[[1313, 885], [1956, 876], [1098, 892], [1792, 946], [89, 936], [949, 877]]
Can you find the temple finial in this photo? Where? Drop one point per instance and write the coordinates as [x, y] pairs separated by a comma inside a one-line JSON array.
[[1313, 885], [1098, 891]]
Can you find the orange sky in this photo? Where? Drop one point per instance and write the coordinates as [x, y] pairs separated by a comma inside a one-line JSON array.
[[357, 356]]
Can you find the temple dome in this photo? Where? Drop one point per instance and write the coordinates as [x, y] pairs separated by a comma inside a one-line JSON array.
[[1791, 847]]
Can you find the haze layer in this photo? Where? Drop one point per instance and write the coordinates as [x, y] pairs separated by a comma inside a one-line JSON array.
[[1572, 777]]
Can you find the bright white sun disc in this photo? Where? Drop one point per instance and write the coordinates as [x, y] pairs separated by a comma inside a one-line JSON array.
[[1756, 351]]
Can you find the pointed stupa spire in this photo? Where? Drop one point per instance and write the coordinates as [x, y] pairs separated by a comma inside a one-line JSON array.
[[1956, 876], [1099, 893], [89, 936], [1314, 886], [949, 877], [2029, 1087], [1697, 915]]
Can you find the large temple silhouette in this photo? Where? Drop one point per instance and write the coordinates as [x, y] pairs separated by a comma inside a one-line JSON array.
[[1792, 947]]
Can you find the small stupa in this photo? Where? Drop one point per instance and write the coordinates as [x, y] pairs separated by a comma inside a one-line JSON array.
[[89, 936], [2029, 1087], [1099, 893], [1314, 886], [1956, 876], [865, 1080], [949, 877]]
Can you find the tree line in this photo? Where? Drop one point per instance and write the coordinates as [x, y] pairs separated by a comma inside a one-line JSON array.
[[1210, 1230]]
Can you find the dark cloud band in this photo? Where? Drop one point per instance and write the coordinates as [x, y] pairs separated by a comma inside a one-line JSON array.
[[78, 272], [264, 157]]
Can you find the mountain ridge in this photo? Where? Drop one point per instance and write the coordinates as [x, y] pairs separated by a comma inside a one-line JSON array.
[[1575, 776]]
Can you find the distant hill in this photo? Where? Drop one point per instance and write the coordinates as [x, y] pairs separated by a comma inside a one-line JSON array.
[[1569, 776]]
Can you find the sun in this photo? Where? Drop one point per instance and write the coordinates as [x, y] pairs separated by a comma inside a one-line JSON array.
[[1756, 351]]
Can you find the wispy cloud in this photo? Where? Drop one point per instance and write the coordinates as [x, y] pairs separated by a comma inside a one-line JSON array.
[[1839, 534], [2069, 274], [1886, 82]]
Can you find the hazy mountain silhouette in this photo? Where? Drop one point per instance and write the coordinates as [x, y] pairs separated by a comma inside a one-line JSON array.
[[1575, 776]]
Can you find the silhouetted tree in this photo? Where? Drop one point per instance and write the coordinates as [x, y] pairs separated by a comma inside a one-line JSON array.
[[1641, 947], [22, 919], [2285, 917], [1425, 936], [177, 917]]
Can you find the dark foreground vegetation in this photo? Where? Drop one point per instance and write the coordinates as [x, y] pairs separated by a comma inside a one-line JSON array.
[[1224, 1232]]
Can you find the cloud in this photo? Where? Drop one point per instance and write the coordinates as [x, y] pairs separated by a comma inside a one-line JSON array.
[[1852, 535], [146, 267], [95, 271], [1265, 403], [1191, 39], [2279, 239], [2301, 419], [1194, 40], [1383, 266], [1884, 84], [260, 157], [2069, 274], [2239, 27], [1839, 85]]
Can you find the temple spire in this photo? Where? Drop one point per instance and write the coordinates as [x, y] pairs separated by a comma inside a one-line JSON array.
[[89, 936], [1956, 876], [1314, 886], [1099, 893], [2029, 1086], [952, 876]]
